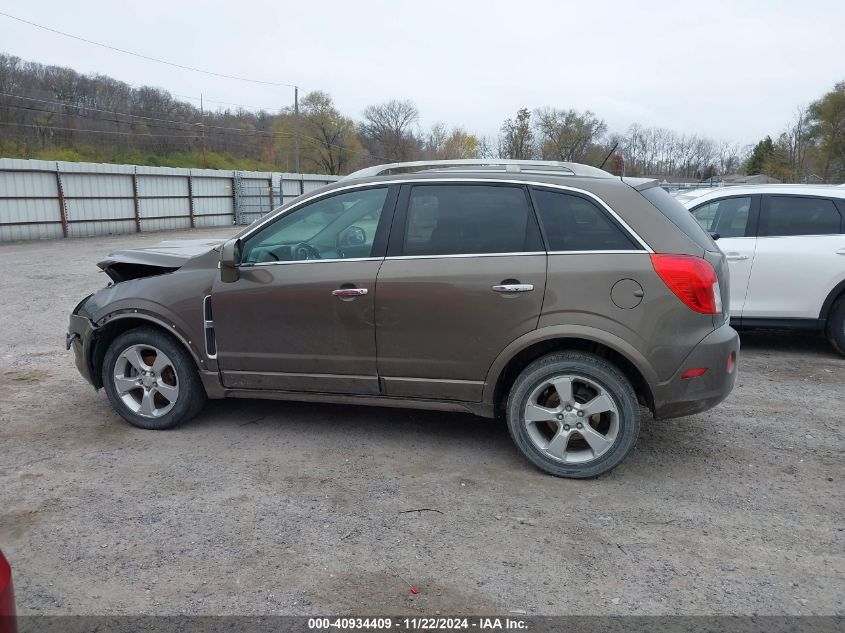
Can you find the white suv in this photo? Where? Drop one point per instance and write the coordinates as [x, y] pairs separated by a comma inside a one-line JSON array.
[[785, 245]]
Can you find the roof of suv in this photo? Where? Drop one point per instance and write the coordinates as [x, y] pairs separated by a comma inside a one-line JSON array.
[[693, 196], [575, 175], [508, 166]]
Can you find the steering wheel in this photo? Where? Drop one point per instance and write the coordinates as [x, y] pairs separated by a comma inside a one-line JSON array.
[[304, 250]]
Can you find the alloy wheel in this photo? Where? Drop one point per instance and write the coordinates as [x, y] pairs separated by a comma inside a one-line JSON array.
[[571, 419], [146, 381]]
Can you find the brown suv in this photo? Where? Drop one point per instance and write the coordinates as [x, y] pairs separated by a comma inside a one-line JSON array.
[[552, 293]]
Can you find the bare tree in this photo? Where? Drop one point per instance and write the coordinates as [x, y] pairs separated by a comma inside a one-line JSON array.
[[795, 141], [330, 140], [488, 147], [662, 152], [567, 135], [516, 140], [387, 130], [730, 159], [435, 142], [444, 145]]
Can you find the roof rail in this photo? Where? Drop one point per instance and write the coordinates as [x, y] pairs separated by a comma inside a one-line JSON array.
[[508, 165]]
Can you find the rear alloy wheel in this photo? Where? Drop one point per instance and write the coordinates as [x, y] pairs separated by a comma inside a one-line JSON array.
[[573, 414], [150, 380], [836, 326]]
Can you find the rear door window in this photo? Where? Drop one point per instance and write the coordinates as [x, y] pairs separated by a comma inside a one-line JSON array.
[[727, 216], [680, 217], [467, 219], [574, 223], [796, 215]]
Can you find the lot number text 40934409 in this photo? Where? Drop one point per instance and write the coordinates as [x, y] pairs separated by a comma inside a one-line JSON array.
[[418, 624]]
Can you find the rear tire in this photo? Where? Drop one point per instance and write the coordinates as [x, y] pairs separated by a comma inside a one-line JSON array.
[[573, 414], [835, 328], [151, 380]]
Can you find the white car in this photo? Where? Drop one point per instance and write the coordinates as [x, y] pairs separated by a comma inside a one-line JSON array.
[[785, 245]]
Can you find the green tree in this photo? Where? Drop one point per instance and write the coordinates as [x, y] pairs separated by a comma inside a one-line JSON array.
[[762, 152], [827, 121]]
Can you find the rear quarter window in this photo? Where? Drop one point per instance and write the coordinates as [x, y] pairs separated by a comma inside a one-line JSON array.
[[680, 217], [573, 223]]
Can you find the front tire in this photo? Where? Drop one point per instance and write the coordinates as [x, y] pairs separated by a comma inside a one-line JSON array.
[[835, 329], [151, 380], [573, 414]]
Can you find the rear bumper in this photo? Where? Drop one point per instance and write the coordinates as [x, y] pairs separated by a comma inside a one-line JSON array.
[[680, 396]]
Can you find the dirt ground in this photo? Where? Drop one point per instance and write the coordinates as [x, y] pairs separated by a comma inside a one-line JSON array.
[[260, 507]]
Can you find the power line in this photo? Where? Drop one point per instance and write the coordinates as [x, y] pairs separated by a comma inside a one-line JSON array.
[[73, 129], [148, 57], [170, 121], [229, 103], [118, 121], [223, 129], [126, 114], [118, 133]]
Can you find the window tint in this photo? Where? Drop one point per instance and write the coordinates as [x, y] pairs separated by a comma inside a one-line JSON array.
[[466, 219], [679, 216], [573, 223], [340, 226], [727, 216], [793, 215]]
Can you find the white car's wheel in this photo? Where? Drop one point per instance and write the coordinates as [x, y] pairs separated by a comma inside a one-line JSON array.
[[836, 326]]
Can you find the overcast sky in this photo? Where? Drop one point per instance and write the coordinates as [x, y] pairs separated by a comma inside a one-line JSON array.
[[730, 70]]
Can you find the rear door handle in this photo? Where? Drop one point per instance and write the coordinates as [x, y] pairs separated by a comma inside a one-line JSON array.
[[349, 292], [513, 288], [735, 257], [841, 251]]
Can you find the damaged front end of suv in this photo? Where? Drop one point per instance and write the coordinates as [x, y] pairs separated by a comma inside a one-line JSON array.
[[163, 285]]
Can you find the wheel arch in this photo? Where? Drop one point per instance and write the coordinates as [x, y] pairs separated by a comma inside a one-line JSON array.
[[837, 292], [115, 324], [534, 345]]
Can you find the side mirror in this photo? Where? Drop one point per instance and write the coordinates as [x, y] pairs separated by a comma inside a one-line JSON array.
[[230, 259], [352, 236], [715, 236]]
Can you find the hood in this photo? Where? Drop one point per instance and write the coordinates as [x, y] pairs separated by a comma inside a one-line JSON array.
[[161, 258]]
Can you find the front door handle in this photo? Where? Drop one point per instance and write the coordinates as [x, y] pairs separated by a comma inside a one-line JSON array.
[[735, 257], [841, 251], [349, 292], [513, 288]]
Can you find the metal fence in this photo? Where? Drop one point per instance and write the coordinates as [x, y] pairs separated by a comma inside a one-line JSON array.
[[46, 199]]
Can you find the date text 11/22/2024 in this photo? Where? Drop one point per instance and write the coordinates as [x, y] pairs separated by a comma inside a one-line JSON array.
[[418, 624]]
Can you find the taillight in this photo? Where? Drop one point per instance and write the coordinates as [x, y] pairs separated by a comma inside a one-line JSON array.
[[692, 279]]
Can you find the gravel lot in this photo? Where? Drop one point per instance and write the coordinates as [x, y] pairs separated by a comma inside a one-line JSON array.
[[262, 507]]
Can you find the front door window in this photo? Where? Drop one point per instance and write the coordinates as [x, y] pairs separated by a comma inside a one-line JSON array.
[[339, 227]]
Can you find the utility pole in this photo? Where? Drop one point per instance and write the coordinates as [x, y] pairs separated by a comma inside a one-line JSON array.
[[202, 140], [296, 126]]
